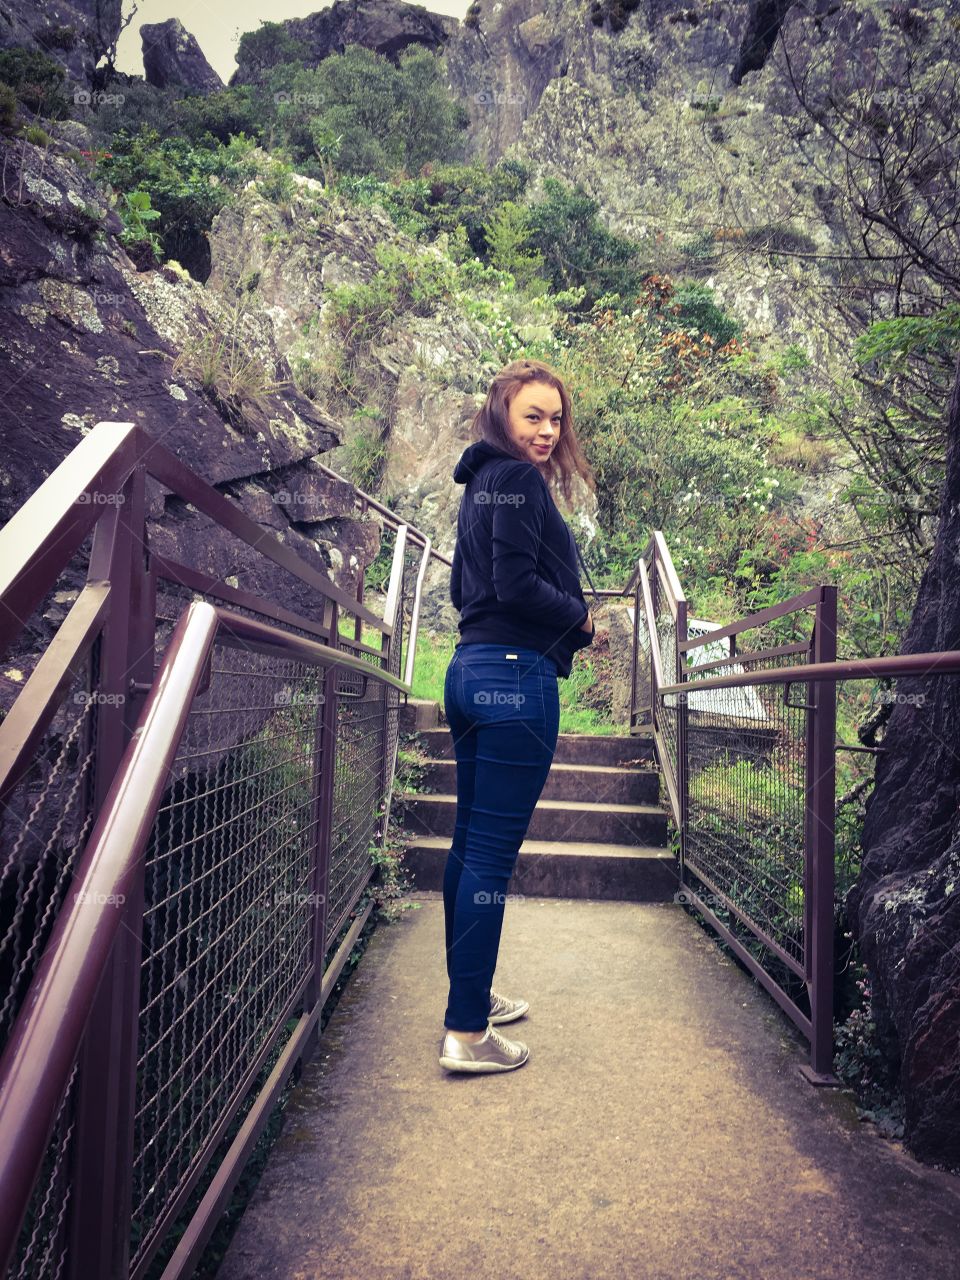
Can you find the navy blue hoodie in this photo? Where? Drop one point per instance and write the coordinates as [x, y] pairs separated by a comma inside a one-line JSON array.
[[514, 578]]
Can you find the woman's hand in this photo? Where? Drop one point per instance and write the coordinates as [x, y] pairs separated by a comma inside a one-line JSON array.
[[587, 624]]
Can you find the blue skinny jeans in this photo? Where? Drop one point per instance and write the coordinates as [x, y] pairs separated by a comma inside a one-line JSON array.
[[503, 708]]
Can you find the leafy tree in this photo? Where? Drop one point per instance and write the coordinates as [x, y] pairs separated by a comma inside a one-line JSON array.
[[508, 235], [138, 106], [223, 115], [389, 119], [876, 132], [578, 250], [269, 46]]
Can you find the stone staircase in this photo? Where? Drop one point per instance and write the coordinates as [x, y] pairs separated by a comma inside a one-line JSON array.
[[598, 831]]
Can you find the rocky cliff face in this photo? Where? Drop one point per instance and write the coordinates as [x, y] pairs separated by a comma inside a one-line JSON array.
[[524, 50], [88, 338], [907, 898], [75, 33], [672, 118]]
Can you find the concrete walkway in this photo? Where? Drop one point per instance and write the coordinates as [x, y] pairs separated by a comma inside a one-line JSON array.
[[660, 1129]]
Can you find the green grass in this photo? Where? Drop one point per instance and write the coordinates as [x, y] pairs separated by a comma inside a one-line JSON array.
[[434, 652], [433, 657]]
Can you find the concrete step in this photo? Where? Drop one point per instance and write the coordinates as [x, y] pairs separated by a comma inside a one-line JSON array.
[[606, 823], [417, 714], [619, 750], [592, 782], [564, 869]]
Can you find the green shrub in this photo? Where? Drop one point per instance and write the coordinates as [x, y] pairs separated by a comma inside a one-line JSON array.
[[578, 250], [8, 108], [699, 312], [137, 216], [456, 199], [36, 80], [223, 115], [187, 184], [508, 235], [34, 134]]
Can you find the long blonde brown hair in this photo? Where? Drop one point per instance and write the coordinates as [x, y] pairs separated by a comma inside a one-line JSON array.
[[491, 424]]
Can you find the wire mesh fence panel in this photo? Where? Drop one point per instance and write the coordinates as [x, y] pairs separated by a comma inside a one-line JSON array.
[[746, 796], [45, 820], [641, 687], [231, 900], [367, 727], [665, 625], [44, 1236], [228, 914], [44, 823]]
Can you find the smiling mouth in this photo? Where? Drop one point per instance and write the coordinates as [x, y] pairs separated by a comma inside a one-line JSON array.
[[544, 448]]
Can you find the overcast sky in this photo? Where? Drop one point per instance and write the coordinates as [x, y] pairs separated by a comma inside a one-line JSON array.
[[219, 24]]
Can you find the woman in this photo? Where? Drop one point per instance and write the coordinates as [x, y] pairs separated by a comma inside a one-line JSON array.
[[522, 617]]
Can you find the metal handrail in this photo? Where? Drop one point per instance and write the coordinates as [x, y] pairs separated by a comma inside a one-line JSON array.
[[901, 664], [62, 991], [820, 674], [111, 462], [54, 521]]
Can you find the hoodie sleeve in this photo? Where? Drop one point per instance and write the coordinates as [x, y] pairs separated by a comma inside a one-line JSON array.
[[519, 506], [456, 574]]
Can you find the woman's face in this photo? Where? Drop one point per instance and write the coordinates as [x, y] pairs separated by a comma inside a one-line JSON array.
[[534, 420]]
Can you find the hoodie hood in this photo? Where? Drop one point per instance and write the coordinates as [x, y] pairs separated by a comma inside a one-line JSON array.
[[475, 457]]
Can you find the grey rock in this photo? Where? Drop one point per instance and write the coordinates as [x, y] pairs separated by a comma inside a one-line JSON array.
[[906, 900], [75, 33], [85, 338], [172, 56], [385, 26]]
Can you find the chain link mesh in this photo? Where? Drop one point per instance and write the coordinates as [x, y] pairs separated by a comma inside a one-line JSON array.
[[746, 762], [45, 821], [230, 894], [228, 912], [43, 1243]]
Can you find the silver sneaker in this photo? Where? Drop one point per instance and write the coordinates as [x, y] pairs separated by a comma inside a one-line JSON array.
[[493, 1052], [503, 1009]]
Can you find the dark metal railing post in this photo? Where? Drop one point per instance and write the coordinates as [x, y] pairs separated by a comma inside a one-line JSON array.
[[819, 845], [325, 748], [106, 1100]]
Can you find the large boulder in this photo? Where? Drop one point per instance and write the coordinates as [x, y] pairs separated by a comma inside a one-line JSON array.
[[172, 56], [906, 900], [385, 26]]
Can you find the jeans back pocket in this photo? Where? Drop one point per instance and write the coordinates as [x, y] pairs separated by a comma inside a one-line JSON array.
[[491, 688]]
